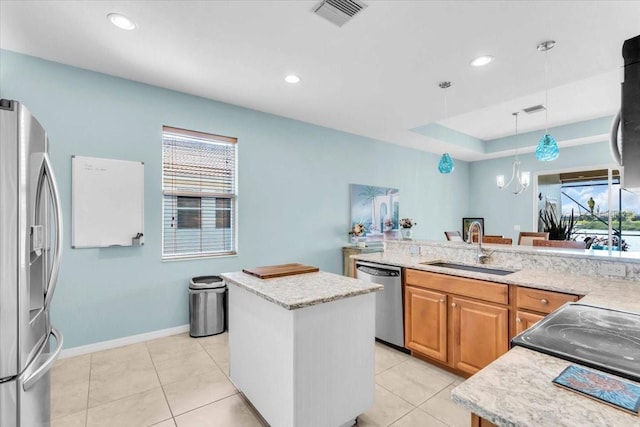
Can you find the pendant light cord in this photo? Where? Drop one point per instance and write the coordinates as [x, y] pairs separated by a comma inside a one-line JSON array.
[[516, 138], [546, 93], [446, 108]]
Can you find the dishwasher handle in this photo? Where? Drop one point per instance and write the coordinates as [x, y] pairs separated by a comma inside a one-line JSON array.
[[377, 271]]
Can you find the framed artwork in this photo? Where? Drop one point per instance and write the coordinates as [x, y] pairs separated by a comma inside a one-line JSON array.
[[378, 209], [466, 222]]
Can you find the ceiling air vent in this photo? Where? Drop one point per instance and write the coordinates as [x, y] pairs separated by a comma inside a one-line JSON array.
[[338, 11], [534, 109]]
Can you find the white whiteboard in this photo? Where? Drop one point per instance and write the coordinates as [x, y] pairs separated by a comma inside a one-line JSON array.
[[107, 198]]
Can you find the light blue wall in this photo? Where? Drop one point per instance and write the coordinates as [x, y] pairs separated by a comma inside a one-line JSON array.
[[293, 191], [501, 209]]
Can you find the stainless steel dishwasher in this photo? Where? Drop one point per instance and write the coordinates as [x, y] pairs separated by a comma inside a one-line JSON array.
[[389, 313]]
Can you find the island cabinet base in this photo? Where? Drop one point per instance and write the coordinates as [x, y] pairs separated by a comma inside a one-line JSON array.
[[313, 366], [477, 421]]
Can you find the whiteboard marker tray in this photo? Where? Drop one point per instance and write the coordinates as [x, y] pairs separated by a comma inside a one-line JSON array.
[[601, 338]]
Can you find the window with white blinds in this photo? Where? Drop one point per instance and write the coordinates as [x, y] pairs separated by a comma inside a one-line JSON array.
[[199, 194]]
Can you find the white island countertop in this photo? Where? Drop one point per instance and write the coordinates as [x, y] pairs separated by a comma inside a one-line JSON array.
[[302, 290], [301, 347]]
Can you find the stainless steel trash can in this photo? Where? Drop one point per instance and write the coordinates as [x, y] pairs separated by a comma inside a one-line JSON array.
[[207, 305]]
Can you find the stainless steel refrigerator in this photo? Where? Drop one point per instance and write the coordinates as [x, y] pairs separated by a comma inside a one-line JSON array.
[[30, 250]]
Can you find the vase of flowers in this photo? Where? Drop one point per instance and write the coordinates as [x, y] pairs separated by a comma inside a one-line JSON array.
[[356, 232], [406, 224]]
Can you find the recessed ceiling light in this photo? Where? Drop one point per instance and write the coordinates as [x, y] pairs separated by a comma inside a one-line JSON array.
[[481, 61], [292, 78], [121, 21]]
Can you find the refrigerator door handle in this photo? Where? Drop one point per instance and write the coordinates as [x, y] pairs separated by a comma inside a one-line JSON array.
[[55, 199], [613, 141], [46, 366]]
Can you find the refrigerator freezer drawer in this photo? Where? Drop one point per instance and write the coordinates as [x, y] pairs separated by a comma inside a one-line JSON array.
[[26, 400]]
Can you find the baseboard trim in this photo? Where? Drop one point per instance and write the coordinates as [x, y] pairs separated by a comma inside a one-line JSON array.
[[119, 342]]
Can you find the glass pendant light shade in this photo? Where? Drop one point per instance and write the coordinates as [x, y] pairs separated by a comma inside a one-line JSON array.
[[446, 163], [547, 149], [523, 179]]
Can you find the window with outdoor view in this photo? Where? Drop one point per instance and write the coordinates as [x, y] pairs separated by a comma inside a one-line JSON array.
[[590, 206], [199, 194]]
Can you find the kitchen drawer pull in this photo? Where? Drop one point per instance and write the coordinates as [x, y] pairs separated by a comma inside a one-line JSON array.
[[544, 301]]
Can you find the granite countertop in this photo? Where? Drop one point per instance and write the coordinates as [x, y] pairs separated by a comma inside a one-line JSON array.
[[490, 392], [539, 278], [516, 389], [302, 290]]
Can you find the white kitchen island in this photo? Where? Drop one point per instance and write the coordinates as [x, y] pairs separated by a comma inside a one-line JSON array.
[[301, 347]]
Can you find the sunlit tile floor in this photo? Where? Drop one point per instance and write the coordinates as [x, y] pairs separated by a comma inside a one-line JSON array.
[[183, 381]]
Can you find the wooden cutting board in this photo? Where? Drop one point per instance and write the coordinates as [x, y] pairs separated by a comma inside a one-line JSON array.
[[270, 271]]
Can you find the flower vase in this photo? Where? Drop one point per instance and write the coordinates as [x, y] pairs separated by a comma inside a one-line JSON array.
[[406, 233]]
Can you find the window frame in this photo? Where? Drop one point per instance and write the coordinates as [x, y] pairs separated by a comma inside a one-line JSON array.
[[610, 167], [232, 197]]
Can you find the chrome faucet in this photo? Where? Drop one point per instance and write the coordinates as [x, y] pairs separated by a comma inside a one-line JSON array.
[[480, 257]]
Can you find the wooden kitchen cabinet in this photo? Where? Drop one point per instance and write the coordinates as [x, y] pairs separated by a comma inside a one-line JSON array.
[[532, 305], [525, 320], [426, 322], [459, 322], [348, 263], [477, 421], [480, 333], [540, 300]]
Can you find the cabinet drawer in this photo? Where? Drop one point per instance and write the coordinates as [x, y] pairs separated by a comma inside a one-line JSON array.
[[486, 291], [541, 301]]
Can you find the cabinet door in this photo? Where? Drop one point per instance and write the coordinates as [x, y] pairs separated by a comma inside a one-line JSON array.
[[426, 322], [480, 334], [525, 320]]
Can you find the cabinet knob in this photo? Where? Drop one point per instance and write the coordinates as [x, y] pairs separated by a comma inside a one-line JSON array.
[[442, 301], [544, 301], [454, 305], [518, 320]]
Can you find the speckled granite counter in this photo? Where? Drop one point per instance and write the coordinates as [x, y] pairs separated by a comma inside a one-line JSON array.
[[516, 389], [531, 275], [302, 290]]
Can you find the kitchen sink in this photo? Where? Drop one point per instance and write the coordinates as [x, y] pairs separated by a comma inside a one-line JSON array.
[[474, 268]]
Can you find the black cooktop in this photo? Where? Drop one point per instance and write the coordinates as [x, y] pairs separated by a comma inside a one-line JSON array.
[[601, 338]]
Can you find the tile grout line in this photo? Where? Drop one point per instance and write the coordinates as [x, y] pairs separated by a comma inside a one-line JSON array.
[[164, 393], [86, 411]]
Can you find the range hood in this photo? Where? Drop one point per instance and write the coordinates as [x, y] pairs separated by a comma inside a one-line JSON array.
[[625, 131]]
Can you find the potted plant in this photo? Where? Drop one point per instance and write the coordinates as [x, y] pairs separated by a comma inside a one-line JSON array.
[[356, 232], [558, 229], [405, 227]]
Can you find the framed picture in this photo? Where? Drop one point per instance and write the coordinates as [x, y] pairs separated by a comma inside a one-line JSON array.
[[466, 222], [377, 209]]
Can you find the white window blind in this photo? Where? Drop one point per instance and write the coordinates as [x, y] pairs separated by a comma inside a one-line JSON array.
[[199, 194]]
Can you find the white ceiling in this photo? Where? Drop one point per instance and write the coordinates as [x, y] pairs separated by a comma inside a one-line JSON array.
[[376, 76]]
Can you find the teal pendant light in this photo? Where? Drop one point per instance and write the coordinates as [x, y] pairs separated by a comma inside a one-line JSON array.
[[547, 149], [445, 165]]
